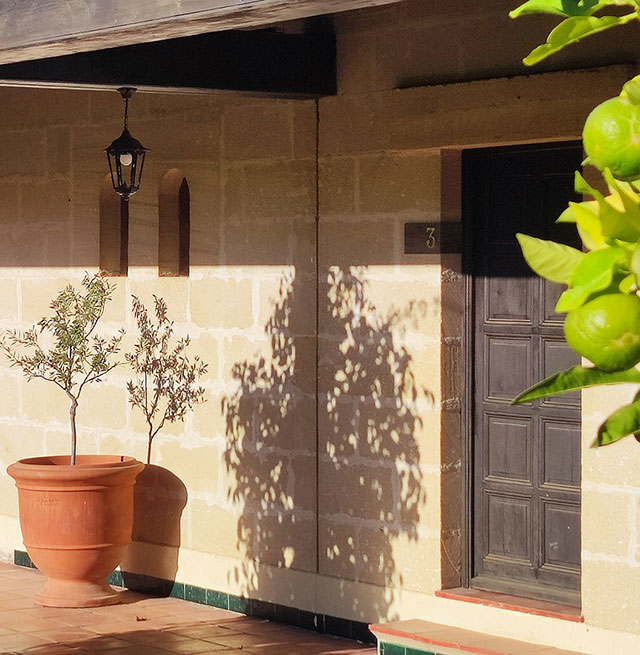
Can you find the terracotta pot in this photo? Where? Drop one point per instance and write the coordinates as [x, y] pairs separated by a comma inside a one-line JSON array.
[[76, 523]]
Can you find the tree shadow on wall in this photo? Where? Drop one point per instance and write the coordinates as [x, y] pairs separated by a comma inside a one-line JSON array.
[[364, 470]]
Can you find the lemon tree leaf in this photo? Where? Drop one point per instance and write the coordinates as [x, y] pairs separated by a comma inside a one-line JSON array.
[[635, 265], [567, 215], [577, 377], [596, 267], [594, 272], [581, 186], [622, 423], [587, 218], [550, 260], [617, 224], [632, 90], [573, 29], [558, 7], [627, 284], [619, 213], [628, 197]]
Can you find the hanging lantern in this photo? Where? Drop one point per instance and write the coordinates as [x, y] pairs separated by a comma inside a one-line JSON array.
[[126, 156]]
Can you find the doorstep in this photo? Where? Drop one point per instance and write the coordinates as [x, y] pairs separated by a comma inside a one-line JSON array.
[[417, 637]]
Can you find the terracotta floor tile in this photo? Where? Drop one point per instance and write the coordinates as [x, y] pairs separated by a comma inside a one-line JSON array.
[[110, 627], [102, 643], [47, 612], [11, 619], [137, 649], [16, 603], [20, 641], [155, 636], [243, 640], [52, 649], [79, 617], [203, 630], [61, 634], [34, 625], [189, 646]]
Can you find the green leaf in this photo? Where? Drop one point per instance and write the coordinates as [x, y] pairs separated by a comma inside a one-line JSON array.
[[581, 186], [635, 265], [622, 423], [595, 272], [619, 213], [632, 90], [627, 284], [558, 7], [567, 216], [596, 268], [573, 29], [550, 260], [588, 223], [578, 377]]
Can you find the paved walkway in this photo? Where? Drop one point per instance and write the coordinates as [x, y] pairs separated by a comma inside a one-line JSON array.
[[144, 625]]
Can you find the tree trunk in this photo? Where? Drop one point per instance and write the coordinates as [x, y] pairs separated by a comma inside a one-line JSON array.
[[72, 419]]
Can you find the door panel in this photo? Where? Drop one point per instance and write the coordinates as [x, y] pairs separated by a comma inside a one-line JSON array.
[[526, 459], [508, 449]]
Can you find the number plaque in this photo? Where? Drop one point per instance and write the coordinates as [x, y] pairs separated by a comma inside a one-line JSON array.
[[432, 238]]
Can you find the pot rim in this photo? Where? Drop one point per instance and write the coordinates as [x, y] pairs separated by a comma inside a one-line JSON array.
[[84, 461], [57, 468]]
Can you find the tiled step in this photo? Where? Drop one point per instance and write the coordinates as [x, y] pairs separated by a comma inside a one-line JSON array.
[[417, 637]]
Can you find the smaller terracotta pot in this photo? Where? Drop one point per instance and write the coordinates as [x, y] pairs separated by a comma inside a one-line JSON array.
[[76, 523]]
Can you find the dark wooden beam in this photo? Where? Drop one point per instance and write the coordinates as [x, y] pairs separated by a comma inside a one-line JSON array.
[[263, 61], [37, 29]]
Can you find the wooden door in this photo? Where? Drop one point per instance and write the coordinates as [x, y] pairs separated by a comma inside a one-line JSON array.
[[526, 459]]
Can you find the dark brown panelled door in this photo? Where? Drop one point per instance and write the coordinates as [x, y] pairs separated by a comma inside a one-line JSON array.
[[526, 459]]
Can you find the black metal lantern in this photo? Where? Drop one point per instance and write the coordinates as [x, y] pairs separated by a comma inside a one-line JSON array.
[[126, 156]]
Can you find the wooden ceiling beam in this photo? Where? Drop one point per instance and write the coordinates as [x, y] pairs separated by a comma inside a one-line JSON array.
[[38, 29]]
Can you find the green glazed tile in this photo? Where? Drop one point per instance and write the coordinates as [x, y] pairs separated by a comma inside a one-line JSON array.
[[416, 651], [217, 599], [195, 594], [392, 649], [116, 579], [177, 590], [21, 558], [238, 604]]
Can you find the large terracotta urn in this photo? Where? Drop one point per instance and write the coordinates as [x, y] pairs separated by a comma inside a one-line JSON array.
[[76, 523]]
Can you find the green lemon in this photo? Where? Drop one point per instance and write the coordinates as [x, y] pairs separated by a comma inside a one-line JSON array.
[[611, 137], [606, 330]]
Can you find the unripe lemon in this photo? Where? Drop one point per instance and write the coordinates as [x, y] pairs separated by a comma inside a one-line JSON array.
[[611, 137], [606, 330]]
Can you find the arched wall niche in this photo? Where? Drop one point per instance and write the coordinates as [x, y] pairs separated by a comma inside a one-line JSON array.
[[173, 225]]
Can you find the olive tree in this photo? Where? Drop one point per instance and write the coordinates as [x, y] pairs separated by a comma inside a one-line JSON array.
[[63, 348]]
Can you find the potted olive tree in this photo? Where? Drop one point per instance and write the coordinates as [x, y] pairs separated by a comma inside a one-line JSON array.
[[164, 387], [76, 511]]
